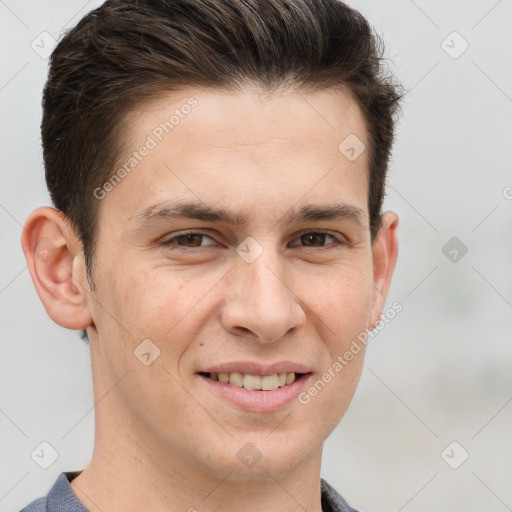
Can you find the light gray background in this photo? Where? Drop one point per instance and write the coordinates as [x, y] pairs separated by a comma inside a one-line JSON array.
[[440, 372]]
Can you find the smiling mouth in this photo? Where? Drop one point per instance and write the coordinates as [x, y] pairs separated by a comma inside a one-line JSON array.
[[255, 382]]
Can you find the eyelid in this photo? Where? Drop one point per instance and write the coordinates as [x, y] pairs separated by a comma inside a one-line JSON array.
[[166, 241], [340, 238]]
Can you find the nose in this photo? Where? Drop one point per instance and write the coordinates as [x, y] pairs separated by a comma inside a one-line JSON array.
[[260, 302]]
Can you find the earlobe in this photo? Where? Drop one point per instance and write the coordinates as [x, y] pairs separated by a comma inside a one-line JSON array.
[[385, 253], [56, 265]]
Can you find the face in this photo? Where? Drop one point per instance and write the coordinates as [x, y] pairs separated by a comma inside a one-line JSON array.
[[236, 247]]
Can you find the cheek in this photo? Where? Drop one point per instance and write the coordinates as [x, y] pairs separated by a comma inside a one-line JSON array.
[[343, 299], [345, 312], [164, 305]]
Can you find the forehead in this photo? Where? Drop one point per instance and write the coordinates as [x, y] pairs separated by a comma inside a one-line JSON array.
[[248, 117], [242, 147]]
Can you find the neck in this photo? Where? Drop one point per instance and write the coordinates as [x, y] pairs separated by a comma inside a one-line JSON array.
[[117, 479], [127, 472]]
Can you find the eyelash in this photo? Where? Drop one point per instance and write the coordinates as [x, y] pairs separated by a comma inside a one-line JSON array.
[[168, 243]]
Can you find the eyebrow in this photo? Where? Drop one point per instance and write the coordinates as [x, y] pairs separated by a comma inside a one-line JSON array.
[[209, 213]]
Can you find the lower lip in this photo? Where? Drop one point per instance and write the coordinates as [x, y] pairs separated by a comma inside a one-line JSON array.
[[258, 401]]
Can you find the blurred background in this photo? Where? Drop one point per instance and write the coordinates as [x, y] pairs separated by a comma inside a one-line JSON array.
[[430, 426]]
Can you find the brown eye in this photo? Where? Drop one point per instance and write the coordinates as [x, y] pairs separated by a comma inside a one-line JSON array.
[[190, 239], [318, 241], [314, 239]]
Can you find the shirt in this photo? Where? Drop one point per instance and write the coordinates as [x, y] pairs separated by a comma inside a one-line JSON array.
[[61, 498]]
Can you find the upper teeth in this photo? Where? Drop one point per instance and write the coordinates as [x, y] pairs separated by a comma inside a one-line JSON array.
[[261, 382]]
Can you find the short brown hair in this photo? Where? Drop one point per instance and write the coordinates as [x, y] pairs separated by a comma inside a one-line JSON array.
[[126, 51]]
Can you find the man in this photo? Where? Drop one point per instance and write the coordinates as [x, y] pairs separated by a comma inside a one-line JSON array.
[[217, 169]]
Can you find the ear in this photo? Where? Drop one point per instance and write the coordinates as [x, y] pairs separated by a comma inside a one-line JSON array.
[[385, 253], [56, 263]]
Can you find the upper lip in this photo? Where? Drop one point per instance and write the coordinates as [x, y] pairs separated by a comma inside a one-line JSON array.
[[253, 368]]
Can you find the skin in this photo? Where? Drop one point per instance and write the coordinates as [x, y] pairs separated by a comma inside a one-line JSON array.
[[163, 439]]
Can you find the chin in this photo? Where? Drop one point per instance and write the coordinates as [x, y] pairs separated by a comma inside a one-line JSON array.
[[258, 457]]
